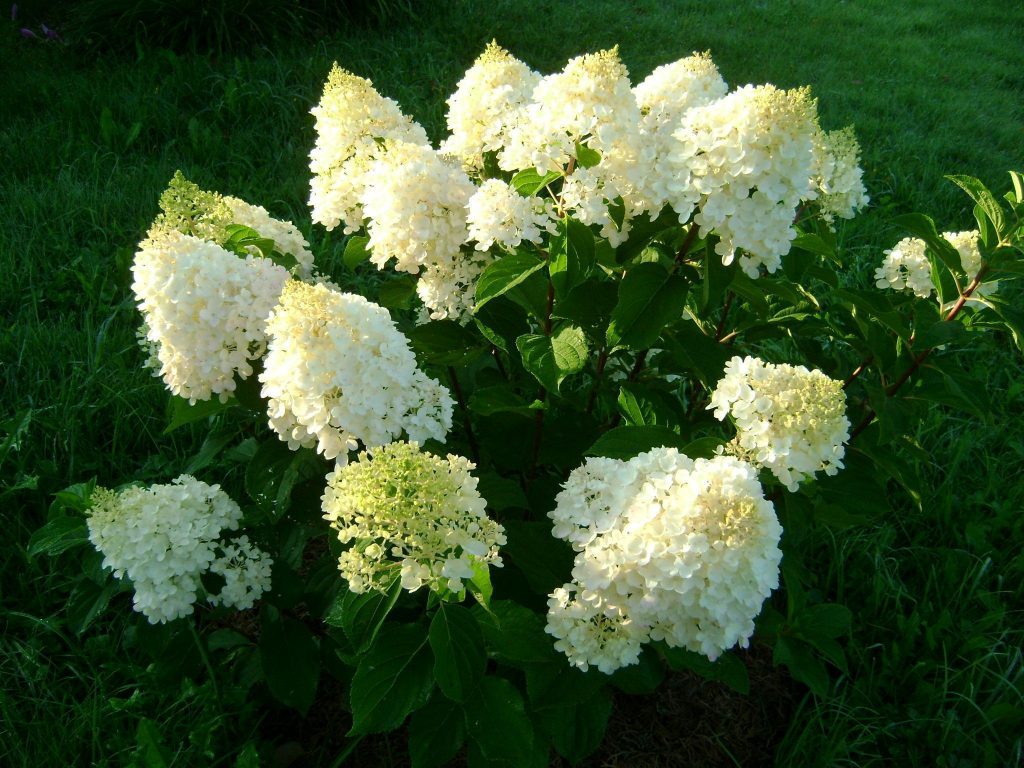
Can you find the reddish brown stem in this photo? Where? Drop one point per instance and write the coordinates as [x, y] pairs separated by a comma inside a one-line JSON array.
[[725, 314], [602, 360], [858, 371]]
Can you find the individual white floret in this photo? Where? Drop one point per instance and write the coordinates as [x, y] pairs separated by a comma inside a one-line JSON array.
[[163, 538], [416, 203], [339, 372], [484, 105], [353, 123], [205, 309], [788, 419], [906, 268], [412, 516], [246, 570]]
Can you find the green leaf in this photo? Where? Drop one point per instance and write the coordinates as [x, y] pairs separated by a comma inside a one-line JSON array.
[[697, 352], [640, 678], [703, 447], [459, 655], [586, 157], [501, 493], [649, 298], [360, 615], [275, 470], [505, 274], [397, 292], [501, 398], [290, 658], [356, 251], [436, 733], [588, 305], [572, 256], [88, 601], [825, 620], [529, 182], [979, 193], [444, 342], [949, 388], [551, 358], [480, 584], [497, 722], [803, 665], [394, 678], [515, 635], [717, 278], [560, 684], [544, 560], [181, 413], [813, 243], [150, 751], [629, 441], [727, 668], [1011, 315], [58, 535], [577, 730]]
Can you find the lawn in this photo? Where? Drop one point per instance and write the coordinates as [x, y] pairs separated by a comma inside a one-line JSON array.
[[936, 674]]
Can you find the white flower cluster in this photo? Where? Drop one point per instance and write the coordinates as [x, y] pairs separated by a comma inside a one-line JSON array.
[[906, 268], [748, 161], [246, 571], [338, 371], [448, 290], [500, 215], [485, 105], [838, 177], [416, 203], [353, 122], [413, 516], [668, 549], [788, 419], [205, 311], [165, 537]]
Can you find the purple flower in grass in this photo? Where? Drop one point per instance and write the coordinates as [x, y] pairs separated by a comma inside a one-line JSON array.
[[28, 33]]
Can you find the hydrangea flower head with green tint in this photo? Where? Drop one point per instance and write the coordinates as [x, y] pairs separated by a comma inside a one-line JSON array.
[[789, 419], [411, 515]]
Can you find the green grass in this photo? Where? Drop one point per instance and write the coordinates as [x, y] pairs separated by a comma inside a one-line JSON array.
[[933, 88]]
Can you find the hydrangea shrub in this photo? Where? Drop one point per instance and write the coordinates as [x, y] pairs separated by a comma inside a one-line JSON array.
[[609, 373]]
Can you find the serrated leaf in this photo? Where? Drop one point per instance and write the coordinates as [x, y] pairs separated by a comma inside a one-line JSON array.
[[515, 635], [394, 678], [503, 275], [727, 668], [436, 733], [803, 665], [275, 470], [444, 342], [356, 251], [88, 601], [501, 398], [551, 358], [459, 655], [641, 678], [586, 157], [649, 299], [290, 658], [628, 441], [397, 292]]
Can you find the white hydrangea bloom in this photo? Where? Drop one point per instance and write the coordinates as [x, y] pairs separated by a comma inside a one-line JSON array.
[[498, 214], [339, 372], [966, 244], [205, 308], [906, 268], [664, 97], [838, 177], [593, 633], [448, 290], [746, 161], [353, 122], [416, 203], [246, 571], [667, 549], [789, 419], [411, 515], [485, 104], [163, 538], [287, 238], [590, 101]]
